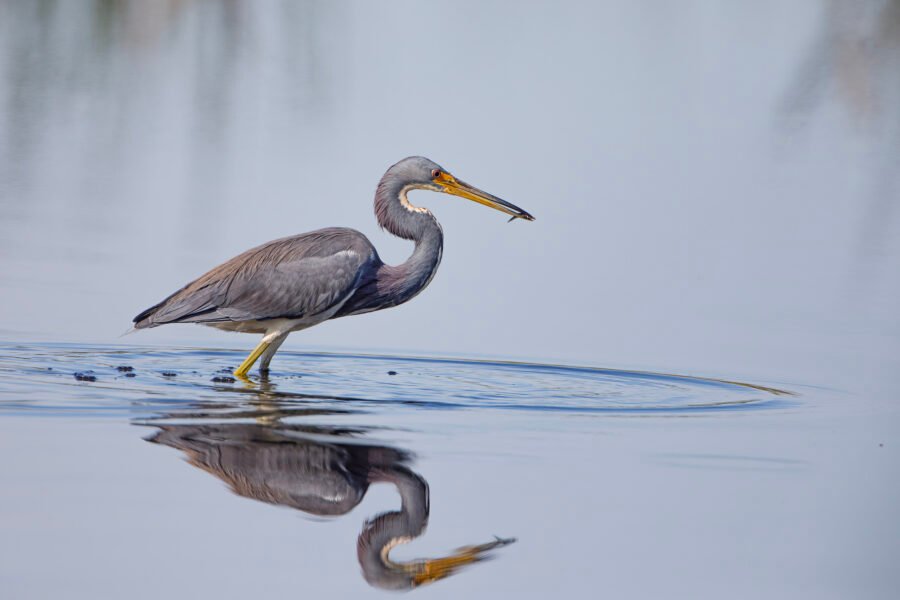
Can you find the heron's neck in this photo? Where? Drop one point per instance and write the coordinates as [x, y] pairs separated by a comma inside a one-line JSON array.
[[387, 530], [398, 216]]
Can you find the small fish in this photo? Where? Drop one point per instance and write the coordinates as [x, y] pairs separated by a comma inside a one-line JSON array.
[[525, 217]]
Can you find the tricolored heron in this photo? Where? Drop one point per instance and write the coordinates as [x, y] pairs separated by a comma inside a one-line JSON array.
[[296, 282]]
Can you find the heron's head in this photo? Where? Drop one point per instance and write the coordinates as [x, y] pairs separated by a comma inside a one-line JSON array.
[[418, 172]]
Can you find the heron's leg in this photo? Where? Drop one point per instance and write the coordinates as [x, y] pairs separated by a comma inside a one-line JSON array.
[[269, 352], [241, 371]]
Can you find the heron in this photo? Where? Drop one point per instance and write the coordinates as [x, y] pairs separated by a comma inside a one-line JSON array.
[[297, 282]]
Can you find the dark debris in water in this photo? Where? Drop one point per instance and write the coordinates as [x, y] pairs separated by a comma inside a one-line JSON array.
[[85, 376], [169, 374], [392, 372], [220, 379], [124, 369], [130, 374]]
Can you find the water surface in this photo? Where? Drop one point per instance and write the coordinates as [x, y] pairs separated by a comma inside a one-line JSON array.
[[538, 473]]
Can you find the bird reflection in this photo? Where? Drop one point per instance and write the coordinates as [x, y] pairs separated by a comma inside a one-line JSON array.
[[322, 471]]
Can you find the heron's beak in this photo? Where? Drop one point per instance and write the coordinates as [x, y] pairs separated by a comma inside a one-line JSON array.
[[451, 185]]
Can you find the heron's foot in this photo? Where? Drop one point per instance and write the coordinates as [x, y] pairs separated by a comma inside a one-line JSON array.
[[242, 377]]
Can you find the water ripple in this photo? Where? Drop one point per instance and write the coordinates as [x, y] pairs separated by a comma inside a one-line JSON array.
[[41, 380]]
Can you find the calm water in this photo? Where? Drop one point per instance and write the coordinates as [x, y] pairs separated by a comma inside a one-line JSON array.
[[572, 479], [478, 444], [717, 243]]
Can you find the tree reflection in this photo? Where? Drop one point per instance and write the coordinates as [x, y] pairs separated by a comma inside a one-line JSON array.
[[854, 58], [128, 83]]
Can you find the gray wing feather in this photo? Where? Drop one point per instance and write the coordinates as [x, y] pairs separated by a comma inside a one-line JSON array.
[[294, 289], [292, 277]]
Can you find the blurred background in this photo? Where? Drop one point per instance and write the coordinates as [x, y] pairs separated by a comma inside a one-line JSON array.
[[715, 185]]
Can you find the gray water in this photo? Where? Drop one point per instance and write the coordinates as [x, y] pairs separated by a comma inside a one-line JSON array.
[[680, 380]]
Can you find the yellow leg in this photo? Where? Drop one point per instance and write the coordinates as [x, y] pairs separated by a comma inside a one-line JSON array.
[[241, 371]]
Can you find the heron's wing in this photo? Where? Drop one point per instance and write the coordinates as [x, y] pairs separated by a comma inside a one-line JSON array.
[[293, 277], [293, 289]]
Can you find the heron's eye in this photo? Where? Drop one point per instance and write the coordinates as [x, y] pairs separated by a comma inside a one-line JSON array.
[[435, 173]]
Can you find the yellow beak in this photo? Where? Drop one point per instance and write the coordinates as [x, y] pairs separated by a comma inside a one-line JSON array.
[[451, 185]]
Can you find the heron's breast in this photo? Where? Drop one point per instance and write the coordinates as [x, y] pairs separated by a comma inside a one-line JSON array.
[[272, 325]]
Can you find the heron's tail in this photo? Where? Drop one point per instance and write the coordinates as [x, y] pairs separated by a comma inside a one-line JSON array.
[[143, 321]]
